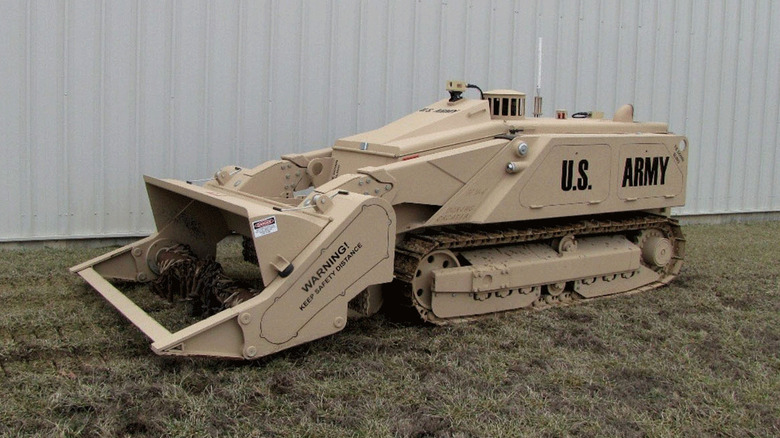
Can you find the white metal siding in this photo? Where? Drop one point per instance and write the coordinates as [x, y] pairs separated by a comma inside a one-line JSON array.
[[96, 93]]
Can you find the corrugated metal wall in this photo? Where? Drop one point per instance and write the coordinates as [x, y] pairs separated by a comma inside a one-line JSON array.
[[96, 93]]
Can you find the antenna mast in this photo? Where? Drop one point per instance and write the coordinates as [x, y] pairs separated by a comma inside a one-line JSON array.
[[538, 97]]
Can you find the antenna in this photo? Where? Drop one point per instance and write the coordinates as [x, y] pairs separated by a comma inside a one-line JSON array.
[[538, 97], [539, 67]]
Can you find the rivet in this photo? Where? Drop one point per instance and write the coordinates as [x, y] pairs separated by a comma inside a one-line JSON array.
[[245, 318], [377, 191], [251, 351], [339, 322], [141, 276], [137, 252], [388, 187]]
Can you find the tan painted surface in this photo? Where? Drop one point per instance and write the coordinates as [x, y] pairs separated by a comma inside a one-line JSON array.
[[454, 162]]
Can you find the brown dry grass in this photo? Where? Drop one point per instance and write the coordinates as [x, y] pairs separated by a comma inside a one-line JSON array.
[[701, 357]]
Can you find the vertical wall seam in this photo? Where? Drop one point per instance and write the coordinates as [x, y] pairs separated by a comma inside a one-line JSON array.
[[239, 112], [733, 99], [136, 202], [64, 225], [760, 203], [301, 56], [412, 104], [172, 94], [358, 62], [692, 202], [26, 201], [439, 78], [269, 84], [673, 30], [654, 70], [773, 161], [637, 38], [702, 102], [332, 43], [25, 109], [689, 50], [719, 122], [719, 74], [552, 86], [751, 98], [599, 54], [576, 54], [388, 63], [615, 101], [466, 47], [206, 91], [102, 166], [514, 82], [491, 42]]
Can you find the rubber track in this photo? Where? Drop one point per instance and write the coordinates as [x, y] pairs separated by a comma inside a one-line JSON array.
[[417, 245]]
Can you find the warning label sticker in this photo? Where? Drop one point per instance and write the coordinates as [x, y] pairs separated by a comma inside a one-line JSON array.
[[265, 226]]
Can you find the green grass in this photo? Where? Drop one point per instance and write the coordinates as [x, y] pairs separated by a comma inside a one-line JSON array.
[[698, 358]]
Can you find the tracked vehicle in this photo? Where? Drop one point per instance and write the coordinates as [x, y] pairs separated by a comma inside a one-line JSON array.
[[461, 210]]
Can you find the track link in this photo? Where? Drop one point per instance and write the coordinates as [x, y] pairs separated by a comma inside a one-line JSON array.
[[416, 245]]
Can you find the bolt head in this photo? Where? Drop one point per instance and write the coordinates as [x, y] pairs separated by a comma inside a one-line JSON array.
[[522, 149]]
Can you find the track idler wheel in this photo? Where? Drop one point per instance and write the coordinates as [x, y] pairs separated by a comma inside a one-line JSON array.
[[657, 249], [423, 278]]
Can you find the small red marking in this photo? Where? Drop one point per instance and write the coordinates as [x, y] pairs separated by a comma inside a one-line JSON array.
[[410, 157]]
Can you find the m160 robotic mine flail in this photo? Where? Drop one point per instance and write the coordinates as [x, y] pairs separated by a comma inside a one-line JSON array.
[[463, 209]]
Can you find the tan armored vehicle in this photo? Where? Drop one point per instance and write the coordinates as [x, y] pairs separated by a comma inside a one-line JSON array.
[[462, 209]]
